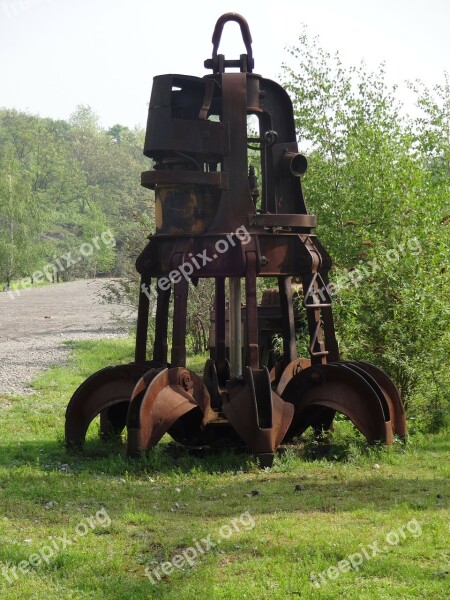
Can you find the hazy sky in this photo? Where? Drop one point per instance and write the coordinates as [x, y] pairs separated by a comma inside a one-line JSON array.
[[56, 54]]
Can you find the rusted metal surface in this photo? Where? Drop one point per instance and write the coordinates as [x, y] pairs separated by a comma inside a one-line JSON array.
[[396, 409], [342, 389], [106, 393], [206, 190], [159, 400]]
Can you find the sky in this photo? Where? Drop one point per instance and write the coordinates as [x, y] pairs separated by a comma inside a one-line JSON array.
[[57, 54]]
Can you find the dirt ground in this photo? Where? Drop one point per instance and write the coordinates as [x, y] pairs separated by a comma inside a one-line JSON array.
[[34, 324]]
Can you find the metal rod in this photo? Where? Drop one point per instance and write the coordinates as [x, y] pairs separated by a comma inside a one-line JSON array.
[[161, 326], [235, 328], [140, 354], [180, 296], [220, 354], [252, 355]]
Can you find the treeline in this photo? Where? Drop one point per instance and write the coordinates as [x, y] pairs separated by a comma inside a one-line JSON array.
[[379, 181], [71, 204]]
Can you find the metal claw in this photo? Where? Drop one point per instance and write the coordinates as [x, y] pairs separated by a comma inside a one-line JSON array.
[[156, 405], [342, 389], [107, 392], [217, 219], [258, 414]]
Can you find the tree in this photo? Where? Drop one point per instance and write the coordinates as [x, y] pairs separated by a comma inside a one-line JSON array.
[[377, 181], [71, 181], [21, 248]]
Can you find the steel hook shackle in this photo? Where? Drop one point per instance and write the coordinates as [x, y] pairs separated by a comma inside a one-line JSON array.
[[218, 62]]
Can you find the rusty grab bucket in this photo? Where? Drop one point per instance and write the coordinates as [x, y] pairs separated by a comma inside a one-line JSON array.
[[223, 216]]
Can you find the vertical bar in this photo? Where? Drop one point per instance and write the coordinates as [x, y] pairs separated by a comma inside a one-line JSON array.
[[180, 295], [219, 311], [252, 312], [235, 328], [140, 352], [161, 326]]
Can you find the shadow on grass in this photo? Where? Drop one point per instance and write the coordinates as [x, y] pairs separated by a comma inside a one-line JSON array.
[[169, 457], [110, 457], [80, 478]]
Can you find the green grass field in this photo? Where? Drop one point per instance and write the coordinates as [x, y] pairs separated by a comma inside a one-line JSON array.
[[367, 522]]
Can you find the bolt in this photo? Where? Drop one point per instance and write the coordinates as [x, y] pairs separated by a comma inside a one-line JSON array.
[[185, 381], [316, 377]]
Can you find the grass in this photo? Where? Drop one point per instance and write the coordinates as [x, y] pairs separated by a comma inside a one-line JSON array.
[[159, 506]]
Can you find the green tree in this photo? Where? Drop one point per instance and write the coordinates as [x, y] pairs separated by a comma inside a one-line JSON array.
[[377, 181], [21, 210]]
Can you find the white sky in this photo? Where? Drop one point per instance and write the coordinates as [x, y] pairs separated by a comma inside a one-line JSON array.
[[56, 54]]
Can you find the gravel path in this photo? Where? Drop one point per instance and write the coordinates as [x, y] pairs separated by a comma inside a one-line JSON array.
[[34, 325]]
